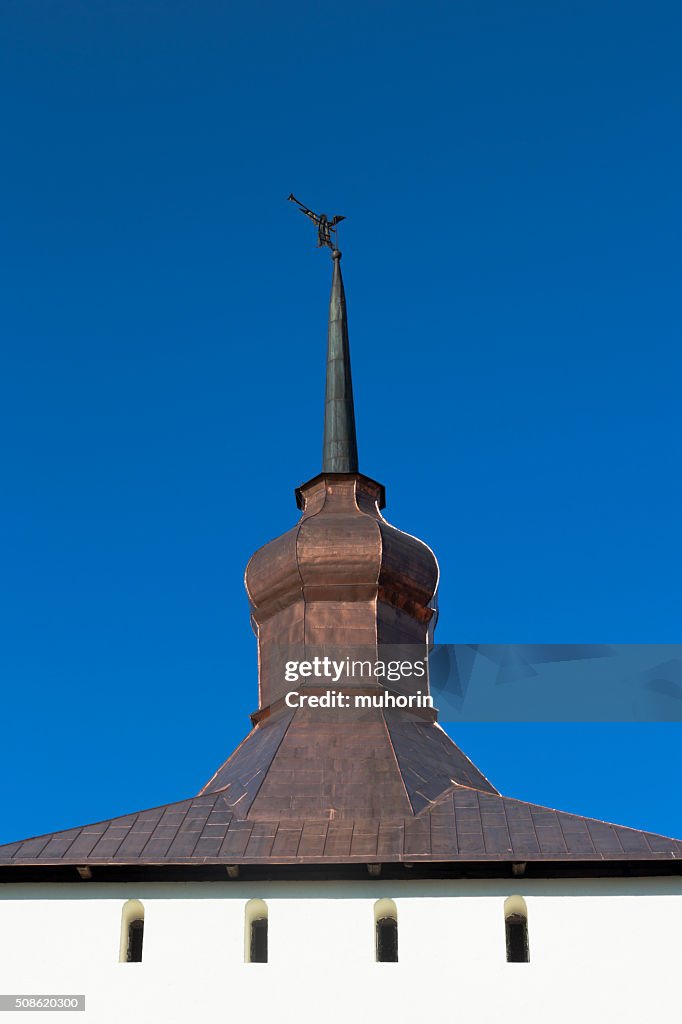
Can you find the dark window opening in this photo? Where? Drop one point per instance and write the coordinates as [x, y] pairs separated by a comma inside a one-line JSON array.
[[135, 933], [516, 927], [259, 941], [387, 940]]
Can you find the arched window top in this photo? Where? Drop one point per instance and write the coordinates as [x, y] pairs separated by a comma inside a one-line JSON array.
[[385, 908], [515, 905], [256, 932], [386, 927], [516, 930], [132, 932], [256, 908]]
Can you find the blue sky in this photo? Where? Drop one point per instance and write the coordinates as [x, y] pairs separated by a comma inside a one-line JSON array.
[[510, 176]]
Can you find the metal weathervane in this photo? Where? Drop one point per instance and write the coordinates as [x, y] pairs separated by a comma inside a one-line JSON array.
[[326, 228]]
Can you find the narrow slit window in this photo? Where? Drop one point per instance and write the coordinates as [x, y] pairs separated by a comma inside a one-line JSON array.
[[135, 936], [259, 940], [256, 929], [132, 932], [516, 930], [386, 927]]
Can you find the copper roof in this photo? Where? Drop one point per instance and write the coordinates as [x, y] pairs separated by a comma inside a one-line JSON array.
[[418, 799]]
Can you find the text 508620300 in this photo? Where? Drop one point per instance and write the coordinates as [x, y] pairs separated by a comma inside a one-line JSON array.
[[42, 1002]]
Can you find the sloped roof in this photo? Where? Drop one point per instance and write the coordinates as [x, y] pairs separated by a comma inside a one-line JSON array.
[[407, 794], [307, 764], [465, 825]]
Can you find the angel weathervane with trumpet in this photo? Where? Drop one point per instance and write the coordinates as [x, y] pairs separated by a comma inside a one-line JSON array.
[[326, 228]]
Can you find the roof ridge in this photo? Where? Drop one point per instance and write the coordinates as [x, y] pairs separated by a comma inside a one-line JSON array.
[[454, 788], [397, 762], [466, 757]]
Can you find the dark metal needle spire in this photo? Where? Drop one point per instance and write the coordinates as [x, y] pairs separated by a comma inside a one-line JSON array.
[[339, 447]]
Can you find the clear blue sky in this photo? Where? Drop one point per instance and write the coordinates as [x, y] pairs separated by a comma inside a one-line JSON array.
[[510, 173]]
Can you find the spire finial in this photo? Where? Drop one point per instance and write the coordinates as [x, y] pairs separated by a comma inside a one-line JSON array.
[[326, 228], [339, 447]]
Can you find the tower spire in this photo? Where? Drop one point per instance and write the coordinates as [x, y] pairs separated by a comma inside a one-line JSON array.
[[339, 448]]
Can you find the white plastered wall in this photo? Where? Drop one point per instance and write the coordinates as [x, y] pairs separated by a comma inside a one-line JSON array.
[[600, 950]]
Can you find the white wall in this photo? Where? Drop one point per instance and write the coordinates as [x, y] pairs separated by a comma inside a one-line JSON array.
[[600, 950]]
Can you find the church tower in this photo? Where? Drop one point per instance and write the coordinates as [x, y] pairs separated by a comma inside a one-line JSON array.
[[345, 862]]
